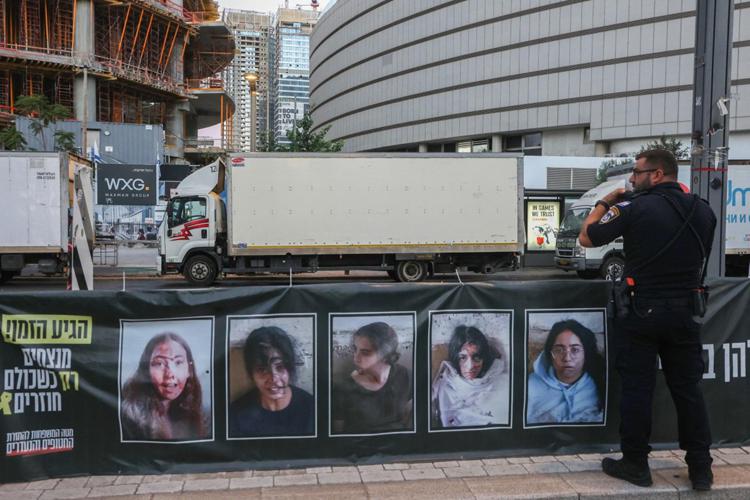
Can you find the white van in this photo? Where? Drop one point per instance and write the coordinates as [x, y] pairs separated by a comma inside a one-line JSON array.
[[608, 261]]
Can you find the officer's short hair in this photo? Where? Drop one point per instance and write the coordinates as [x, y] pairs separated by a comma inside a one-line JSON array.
[[660, 158]]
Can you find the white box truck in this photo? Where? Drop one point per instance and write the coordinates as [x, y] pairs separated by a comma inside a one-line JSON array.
[[36, 195], [608, 261], [409, 215]]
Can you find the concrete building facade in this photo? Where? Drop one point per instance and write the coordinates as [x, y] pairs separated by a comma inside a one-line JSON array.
[[544, 77]]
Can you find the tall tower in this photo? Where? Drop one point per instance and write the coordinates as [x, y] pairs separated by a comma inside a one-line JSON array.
[[291, 68], [251, 31]]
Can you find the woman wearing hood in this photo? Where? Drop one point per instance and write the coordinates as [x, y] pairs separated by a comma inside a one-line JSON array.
[[567, 384], [471, 386]]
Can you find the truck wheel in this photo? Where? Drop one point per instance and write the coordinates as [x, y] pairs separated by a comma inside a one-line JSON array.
[[588, 274], [409, 271], [613, 268], [200, 270]]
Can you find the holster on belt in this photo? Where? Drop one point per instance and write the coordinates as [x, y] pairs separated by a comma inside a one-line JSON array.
[[700, 300], [621, 298]]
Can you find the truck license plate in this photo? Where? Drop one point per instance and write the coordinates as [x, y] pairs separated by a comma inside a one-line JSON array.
[[564, 262]]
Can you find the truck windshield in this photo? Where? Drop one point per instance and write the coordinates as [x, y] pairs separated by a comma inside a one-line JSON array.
[[571, 224], [186, 209]]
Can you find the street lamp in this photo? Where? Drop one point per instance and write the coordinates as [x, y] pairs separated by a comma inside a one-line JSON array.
[[252, 80]]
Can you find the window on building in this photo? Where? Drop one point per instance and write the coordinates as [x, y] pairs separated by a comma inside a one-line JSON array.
[[528, 144], [473, 146]]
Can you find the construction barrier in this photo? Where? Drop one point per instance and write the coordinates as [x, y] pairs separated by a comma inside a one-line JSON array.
[[105, 382]]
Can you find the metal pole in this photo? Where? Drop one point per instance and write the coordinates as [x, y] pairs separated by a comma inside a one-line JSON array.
[[712, 86], [85, 117]]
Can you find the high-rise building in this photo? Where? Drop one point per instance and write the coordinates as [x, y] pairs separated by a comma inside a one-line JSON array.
[[251, 32], [290, 52]]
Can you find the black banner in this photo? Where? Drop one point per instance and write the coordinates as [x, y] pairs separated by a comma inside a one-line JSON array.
[[126, 184], [177, 381]]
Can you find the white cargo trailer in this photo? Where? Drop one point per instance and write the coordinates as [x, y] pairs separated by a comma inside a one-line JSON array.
[[36, 193], [409, 215]]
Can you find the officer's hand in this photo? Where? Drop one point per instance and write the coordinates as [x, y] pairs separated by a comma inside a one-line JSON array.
[[615, 196]]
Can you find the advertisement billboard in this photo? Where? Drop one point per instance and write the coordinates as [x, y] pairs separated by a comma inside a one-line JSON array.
[[126, 184], [542, 224]]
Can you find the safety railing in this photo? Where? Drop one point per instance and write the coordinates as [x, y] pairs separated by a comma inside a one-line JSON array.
[[154, 78], [180, 10], [203, 143], [23, 48], [211, 83]]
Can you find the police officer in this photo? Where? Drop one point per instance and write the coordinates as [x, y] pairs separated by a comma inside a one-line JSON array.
[[664, 259]]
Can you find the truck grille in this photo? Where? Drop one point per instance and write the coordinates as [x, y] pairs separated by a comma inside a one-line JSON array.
[[564, 252]]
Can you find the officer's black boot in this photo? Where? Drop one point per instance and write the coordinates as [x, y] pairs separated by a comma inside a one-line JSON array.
[[633, 472], [701, 477]]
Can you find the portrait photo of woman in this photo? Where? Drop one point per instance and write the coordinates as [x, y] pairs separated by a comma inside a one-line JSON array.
[[372, 370], [164, 399], [265, 393], [471, 384], [567, 380]]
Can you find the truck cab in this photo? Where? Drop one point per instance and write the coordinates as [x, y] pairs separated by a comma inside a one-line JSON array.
[[606, 262], [192, 235]]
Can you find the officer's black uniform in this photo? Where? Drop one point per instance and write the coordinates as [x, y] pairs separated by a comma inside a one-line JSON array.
[[660, 320]]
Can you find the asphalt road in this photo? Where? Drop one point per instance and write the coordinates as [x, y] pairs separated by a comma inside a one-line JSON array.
[[138, 264]]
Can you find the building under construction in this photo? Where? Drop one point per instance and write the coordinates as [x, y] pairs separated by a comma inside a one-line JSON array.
[[127, 61]]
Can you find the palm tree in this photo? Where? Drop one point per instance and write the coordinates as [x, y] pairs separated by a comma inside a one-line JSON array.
[[11, 139]]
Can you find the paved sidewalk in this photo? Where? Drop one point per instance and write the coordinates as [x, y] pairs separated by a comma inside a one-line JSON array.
[[565, 477]]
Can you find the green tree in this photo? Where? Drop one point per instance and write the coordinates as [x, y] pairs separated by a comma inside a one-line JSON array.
[[65, 141], [11, 139], [675, 146], [267, 142], [206, 158], [303, 139], [41, 113], [607, 165]]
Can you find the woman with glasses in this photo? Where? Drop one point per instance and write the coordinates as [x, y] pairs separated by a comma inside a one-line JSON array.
[[567, 384], [162, 401]]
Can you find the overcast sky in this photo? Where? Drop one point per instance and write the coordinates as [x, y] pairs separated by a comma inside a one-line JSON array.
[[266, 5]]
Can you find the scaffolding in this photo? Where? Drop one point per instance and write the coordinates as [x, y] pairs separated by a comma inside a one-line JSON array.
[[44, 26], [57, 86], [143, 55], [138, 42], [123, 104]]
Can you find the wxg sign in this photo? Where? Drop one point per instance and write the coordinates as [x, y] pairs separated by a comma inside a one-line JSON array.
[[126, 184]]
